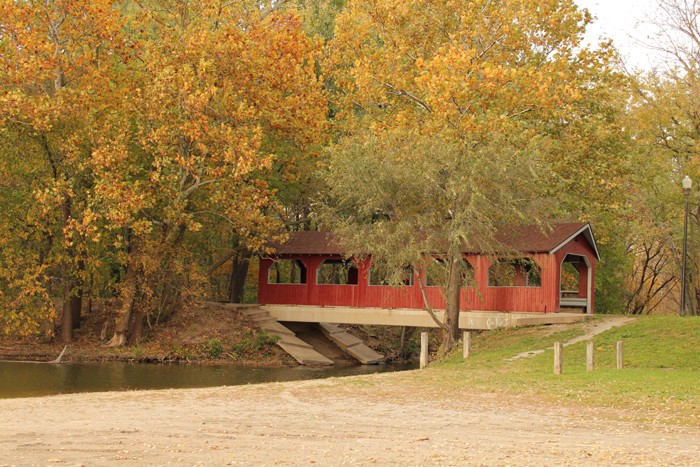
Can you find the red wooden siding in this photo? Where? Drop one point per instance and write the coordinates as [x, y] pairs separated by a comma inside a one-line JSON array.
[[545, 298], [486, 298], [360, 295]]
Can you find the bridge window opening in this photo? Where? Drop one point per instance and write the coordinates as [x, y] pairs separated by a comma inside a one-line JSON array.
[[574, 276], [287, 271], [437, 273], [570, 279], [336, 272], [380, 274], [520, 272]]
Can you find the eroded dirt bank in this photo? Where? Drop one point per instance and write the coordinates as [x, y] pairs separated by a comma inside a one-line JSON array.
[[385, 419]]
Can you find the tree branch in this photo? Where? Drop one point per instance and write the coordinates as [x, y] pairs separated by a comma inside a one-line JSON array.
[[429, 309]]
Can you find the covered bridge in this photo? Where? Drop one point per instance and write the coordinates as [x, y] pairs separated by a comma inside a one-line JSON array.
[[554, 274]]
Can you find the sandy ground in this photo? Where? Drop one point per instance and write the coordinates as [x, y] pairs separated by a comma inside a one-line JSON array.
[[383, 419]]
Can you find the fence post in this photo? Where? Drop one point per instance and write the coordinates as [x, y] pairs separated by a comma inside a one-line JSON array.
[[467, 344], [620, 360], [423, 349], [558, 357], [590, 357]]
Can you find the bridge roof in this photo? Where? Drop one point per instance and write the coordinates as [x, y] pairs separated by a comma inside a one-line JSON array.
[[528, 239]]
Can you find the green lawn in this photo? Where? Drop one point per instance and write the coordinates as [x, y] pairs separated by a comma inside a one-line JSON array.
[[661, 374]]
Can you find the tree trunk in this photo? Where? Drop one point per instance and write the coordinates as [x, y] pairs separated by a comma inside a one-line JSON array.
[[239, 272], [406, 333], [72, 288], [128, 298], [72, 305], [134, 280], [452, 297], [76, 305], [76, 300], [136, 326], [67, 319]]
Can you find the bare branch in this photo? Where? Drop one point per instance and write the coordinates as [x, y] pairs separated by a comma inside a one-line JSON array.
[[403, 92]]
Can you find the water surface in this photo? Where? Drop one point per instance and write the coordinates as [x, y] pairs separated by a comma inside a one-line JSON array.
[[40, 379]]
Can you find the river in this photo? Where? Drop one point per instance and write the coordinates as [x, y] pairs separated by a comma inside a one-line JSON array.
[[40, 379]]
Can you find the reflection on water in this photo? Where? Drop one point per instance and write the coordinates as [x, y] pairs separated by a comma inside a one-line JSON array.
[[32, 379]]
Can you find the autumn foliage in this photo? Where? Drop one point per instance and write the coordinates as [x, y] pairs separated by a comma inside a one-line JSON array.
[[143, 123], [459, 118], [142, 141]]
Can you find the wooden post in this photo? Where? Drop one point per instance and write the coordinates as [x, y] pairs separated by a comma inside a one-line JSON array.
[[423, 349], [620, 360], [590, 357], [558, 357], [467, 344]]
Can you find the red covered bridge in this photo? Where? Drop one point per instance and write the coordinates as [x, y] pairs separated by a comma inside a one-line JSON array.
[[554, 274]]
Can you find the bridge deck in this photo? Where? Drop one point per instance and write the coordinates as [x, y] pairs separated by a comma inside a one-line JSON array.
[[416, 318]]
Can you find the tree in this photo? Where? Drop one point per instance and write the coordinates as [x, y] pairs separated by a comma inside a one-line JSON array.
[[292, 177], [144, 125], [56, 61], [25, 300], [213, 85], [404, 201], [666, 127], [455, 115], [319, 16]]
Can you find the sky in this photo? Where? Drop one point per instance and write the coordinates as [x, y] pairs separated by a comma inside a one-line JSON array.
[[623, 21]]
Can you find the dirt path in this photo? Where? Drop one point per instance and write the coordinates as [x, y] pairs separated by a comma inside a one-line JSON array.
[[594, 328], [384, 419]]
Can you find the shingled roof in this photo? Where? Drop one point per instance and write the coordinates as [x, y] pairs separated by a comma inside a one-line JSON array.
[[310, 243], [531, 239], [528, 239]]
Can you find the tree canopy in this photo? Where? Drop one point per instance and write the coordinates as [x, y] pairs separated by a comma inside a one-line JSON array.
[[144, 144], [458, 118]]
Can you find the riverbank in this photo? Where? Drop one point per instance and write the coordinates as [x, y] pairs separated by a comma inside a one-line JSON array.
[[209, 334], [384, 419], [203, 334]]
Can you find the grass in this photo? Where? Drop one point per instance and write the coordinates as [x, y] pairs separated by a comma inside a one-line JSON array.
[[661, 377]]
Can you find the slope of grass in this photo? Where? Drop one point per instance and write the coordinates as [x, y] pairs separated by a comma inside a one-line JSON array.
[[661, 374]]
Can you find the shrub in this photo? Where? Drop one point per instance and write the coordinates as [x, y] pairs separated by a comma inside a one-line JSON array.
[[214, 347]]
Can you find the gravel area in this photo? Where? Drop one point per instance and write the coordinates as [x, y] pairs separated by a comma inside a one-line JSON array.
[[383, 419]]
